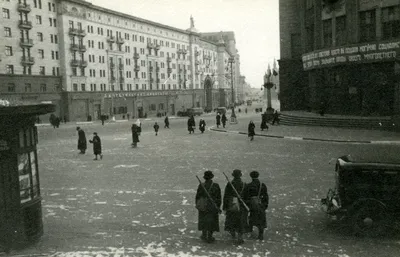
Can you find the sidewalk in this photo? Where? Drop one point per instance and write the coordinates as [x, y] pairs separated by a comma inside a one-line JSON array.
[[311, 133]]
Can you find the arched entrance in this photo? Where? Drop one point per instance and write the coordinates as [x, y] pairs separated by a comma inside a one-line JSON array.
[[208, 93]]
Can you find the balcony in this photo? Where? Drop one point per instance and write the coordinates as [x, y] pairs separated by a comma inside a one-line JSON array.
[[157, 69], [82, 48], [83, 63], [75, 63], [136, 56], [121, 66], [74, 47], [24, 8], [151, 80], [157, 47], [26, 42], [111, 39], [112, 65], [169, 70], [158, 80], [25, 25], [73, 32], [27, 61], [137, 69], [169, 59], [121, 79], [120, 40], [197, 53], [150, 45], [81, 32], [112, 79], [151, 68], [197, 62]]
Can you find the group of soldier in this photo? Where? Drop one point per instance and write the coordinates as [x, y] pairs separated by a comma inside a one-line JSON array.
[[244, 204]]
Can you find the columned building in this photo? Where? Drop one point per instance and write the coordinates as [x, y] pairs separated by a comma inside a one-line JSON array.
[[340, 55], [90, 61]]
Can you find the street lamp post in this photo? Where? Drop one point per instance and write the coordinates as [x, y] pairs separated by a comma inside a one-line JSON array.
[[231, 60]]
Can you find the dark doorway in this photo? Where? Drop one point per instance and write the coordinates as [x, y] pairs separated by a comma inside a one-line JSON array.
[[208, 93]]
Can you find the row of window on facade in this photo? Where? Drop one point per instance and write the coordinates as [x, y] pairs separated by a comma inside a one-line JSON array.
[[27, 88], [390, 21], [27, 70], [24, 17], [127, 87], [54, 54], [25, 35]]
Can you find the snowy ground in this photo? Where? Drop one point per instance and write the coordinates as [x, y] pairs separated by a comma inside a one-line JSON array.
[[140, 202]]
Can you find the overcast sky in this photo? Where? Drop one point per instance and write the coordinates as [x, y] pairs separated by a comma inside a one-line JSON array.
[[255, 23]]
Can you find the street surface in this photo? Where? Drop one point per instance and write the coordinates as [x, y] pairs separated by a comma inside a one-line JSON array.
[[140, 201]]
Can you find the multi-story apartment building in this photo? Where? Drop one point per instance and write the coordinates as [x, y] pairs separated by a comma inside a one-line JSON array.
[[89, 61], [340, 55]]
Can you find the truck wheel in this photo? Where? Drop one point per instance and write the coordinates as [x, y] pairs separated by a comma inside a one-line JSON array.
[[370, 220]]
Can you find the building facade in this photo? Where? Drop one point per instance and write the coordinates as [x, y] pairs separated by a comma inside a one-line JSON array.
[[340, 55], [90, 61]]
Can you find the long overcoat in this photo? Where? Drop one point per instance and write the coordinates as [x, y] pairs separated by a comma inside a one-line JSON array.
[[257, 218], [202, 125], [235, 221], [209, 220], [250, 129], [82, 143], [218, 120], [135, 133], [96, 145], [191, 124], [223, 119]]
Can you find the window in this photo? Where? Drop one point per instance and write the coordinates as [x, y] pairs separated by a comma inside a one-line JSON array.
[[367, 26], [40, 4], [391, 22], [75, 73], [327, 32], [10, 69], [75, 87], [341, 30], [28, 87], [42, 70], [11, 87], [40, 37], [41, 53], [50, 21], [9, 51], [6, 13], [7, 32], [121, 87], [55, 39], [49, 7], [38, 19], [83, 87], [43, 87]]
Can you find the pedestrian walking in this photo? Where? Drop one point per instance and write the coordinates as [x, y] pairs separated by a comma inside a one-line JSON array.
[[275, 117], [156, 127], [239, 110], [166, 122], [136, 130], [208, 202], [251, 131], [191, 124], [96, 146], [235, 208], [202, 125], [223, 119], [103, 118], [245, 110], [82, 143], [256, 197], [218, 118], [264, 122]]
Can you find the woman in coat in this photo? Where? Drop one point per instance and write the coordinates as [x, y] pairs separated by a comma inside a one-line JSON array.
[[135, 134], [251, 131], [223, 119], [236, 218], [208, 217], [202, 125], [191, 124], [96, 146], [218, 119]]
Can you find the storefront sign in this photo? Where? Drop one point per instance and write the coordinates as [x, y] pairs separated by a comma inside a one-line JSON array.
[[4, 102], [124, 95], [364, 53]]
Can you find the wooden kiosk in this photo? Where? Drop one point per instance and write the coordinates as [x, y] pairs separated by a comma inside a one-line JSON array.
[[20, 200]]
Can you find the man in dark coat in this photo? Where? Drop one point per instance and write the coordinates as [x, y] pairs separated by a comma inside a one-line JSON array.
[[96, 146], [202, 125], [191, 124], [236, 220], [208, 219], [135, 134], [156, 127], [275, 118], [251, 131], [166, 122], [82, 144], [253, 191], [223, 119], [264, 122], [218, 120]]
